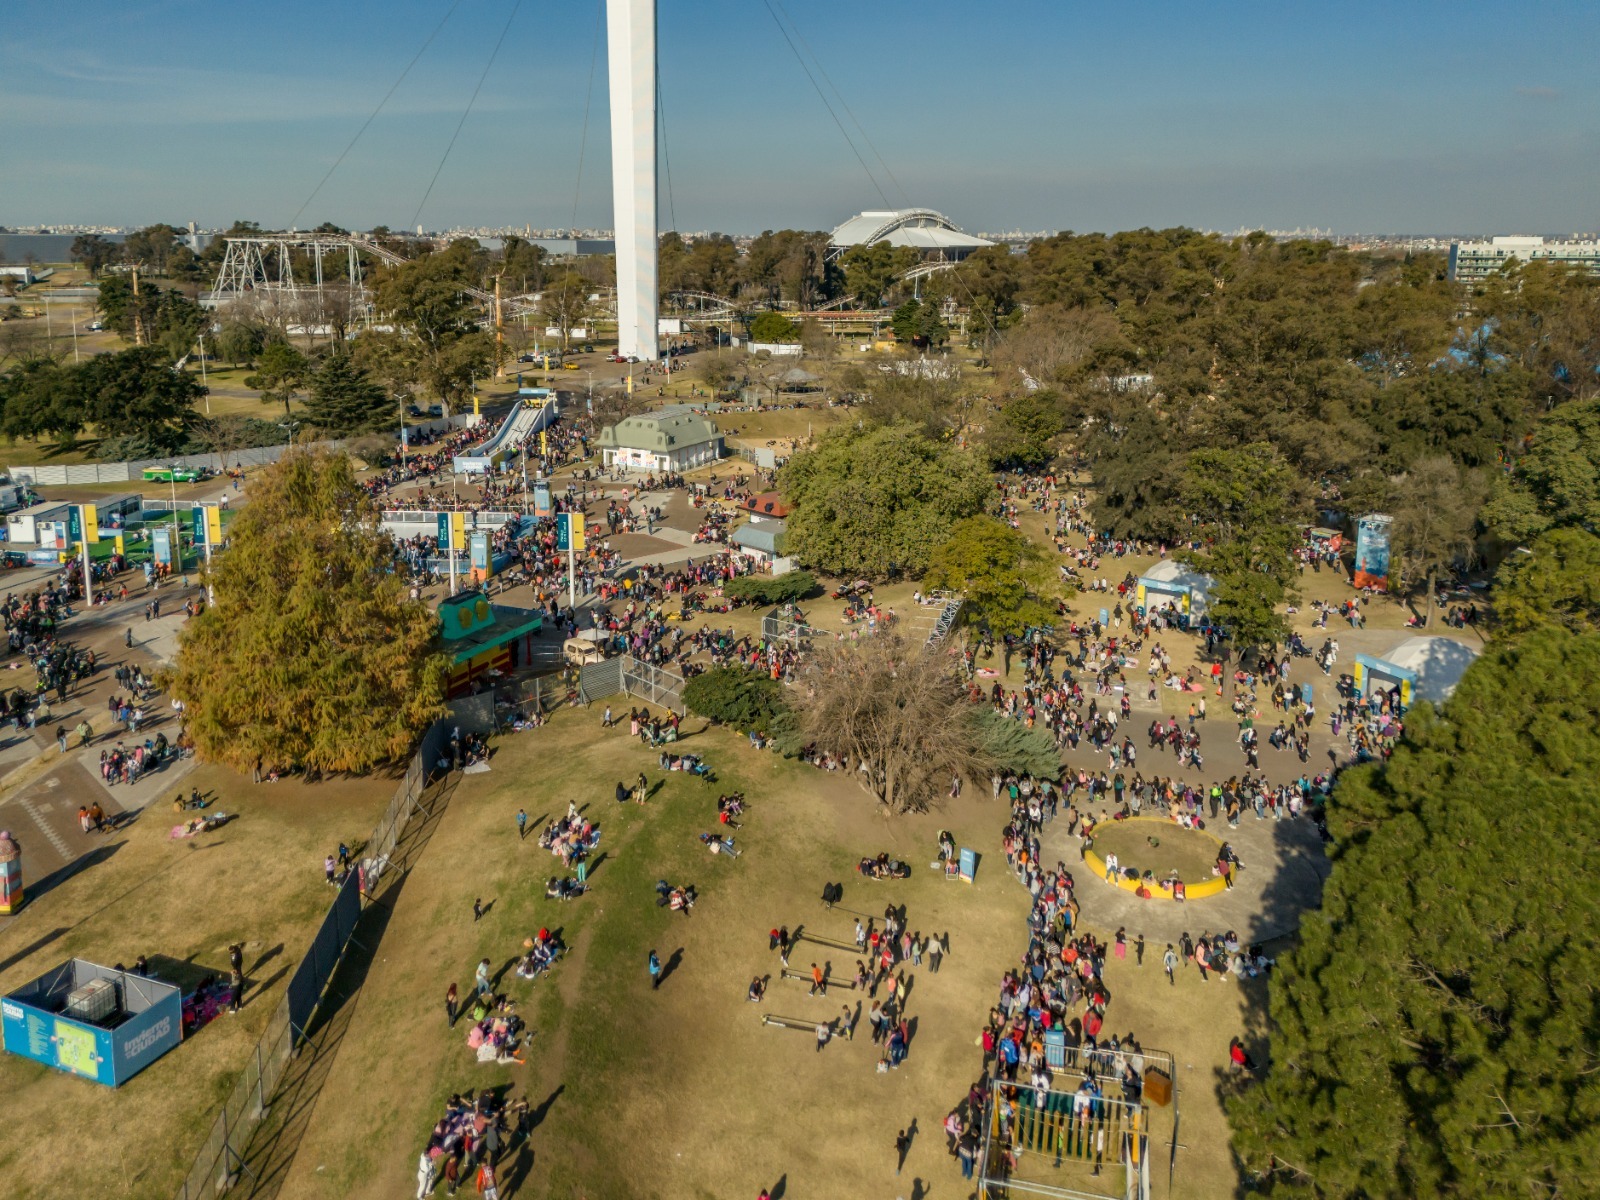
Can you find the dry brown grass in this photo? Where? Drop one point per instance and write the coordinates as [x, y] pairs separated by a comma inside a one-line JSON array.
[[258, 880], [682, 1093]]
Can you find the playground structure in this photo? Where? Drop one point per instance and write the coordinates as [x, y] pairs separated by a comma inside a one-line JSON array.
[[802, 1023], [827, 943], [524, 421], [831, 981], [1034, 1144]]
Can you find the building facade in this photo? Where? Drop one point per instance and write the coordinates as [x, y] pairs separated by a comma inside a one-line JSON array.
[[669, 439], [1474, 261]]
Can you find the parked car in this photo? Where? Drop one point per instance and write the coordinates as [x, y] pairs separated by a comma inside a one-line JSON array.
[[436, 410], [581, 652], [588, 348], [171, 474], [13, 558], [527, 358]]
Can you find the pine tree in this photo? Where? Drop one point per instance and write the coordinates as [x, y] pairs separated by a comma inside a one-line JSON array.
[[312, 655], [1436, 1029], [345, 400]]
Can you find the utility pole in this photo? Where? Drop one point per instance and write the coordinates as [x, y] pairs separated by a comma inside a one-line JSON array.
[[204, 382], [138, 321], [499, 334]]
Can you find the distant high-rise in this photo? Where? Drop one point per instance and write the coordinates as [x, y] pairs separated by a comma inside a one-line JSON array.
[[1472, 261], [631, 55]]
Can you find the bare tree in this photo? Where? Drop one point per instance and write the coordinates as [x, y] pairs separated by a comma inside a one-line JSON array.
[[1054, 339], [897, 714]]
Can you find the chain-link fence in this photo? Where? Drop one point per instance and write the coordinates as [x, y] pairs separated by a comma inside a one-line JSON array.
[[646, 682], [221, 1158]]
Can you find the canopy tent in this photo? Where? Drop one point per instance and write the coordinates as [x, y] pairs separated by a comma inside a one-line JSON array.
[[1422, 668], [1170, 582]]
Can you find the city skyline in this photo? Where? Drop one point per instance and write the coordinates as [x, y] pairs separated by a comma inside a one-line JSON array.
[[1244, 116]]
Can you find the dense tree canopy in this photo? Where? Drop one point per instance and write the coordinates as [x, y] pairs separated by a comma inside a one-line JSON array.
[[130, 394], [1002, 574], [1557, 483], [1246, 504], [313, 655], [1437, 1032], [427, 295], [876, 501], [1353, 366]]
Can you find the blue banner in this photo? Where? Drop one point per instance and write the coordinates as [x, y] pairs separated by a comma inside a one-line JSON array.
[[161, 544]]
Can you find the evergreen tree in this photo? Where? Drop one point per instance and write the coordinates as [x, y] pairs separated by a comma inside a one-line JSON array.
[[1437, 1032], [345, 400], [312, 655]]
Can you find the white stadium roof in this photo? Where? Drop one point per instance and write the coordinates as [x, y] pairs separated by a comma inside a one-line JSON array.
[[920, 228]]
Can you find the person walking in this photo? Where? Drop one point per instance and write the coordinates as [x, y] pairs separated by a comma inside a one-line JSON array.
[[818, 983], [329, 867], [477, 910], [822, 1036], [935, 951], [1169, 962], [451, 1002], [847, 1025], [522, 824], [902, 1147], [425, 1178], [481, 977], [236, 988], [452, 1175], [655, 971]]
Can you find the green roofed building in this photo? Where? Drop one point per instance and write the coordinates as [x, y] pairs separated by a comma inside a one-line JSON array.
[[481, 638], [675, 438]]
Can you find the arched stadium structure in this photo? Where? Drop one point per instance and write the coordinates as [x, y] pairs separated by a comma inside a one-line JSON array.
[[938, 237]]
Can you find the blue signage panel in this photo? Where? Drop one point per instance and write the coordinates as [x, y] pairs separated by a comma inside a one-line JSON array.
[[145, 1037], [969, 864]]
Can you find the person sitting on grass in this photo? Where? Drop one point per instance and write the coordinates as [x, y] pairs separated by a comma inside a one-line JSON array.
[[758, 989]]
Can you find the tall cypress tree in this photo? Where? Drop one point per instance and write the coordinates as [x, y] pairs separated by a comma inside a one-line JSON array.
[[312, 655], [1437, 1029]]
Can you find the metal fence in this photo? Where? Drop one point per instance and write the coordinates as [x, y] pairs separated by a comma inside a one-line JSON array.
[[256, 456], [221, 1157], [598, 680], [646, 682]]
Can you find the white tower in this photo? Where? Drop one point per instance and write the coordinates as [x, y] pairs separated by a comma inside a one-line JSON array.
[[631, 55]]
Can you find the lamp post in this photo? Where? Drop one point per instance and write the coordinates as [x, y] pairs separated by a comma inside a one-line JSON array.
[[177, 529]]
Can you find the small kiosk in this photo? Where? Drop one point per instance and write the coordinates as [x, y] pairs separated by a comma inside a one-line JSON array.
[[481, 637], [1170, 584], [94, 1022]]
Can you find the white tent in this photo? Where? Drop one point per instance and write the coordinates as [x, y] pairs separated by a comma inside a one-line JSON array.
[[1169, 580], [1437, 663]]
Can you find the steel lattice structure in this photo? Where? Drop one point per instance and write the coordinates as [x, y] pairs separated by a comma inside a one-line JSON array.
[[311, 281]]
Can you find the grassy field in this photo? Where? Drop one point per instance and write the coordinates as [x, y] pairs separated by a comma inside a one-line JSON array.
[[257, 880], [682, 1093]]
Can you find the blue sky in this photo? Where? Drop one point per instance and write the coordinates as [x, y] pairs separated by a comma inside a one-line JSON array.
[[1410, 115]]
